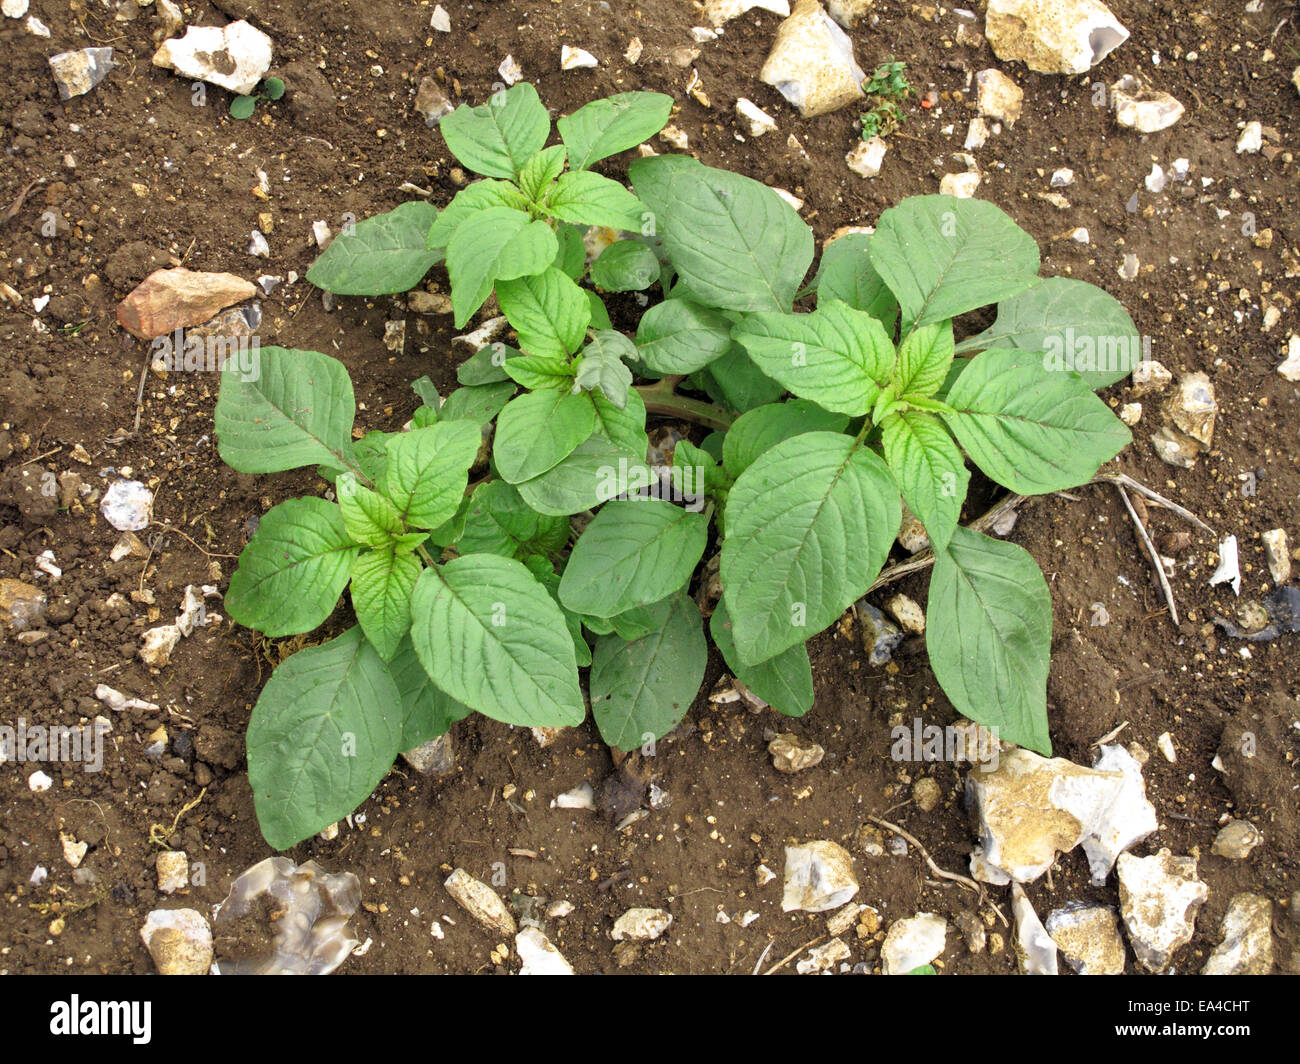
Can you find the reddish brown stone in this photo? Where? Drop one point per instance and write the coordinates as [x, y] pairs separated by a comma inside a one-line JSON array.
[[167, 300]]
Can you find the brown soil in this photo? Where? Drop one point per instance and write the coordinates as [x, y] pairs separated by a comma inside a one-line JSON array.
[[157, 178]]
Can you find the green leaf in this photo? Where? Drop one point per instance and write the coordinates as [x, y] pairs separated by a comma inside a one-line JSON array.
[[500, 522], [450, 531], [734, 381], [846, 274], [599, 315], [942, 256], [1079, 327], [371, 453], [929, 469], [809, 524], [492, 637], [642, 688], [426, 390], [601, 366], [475, 197], [1031, 431], [836, 356], [540, 172], [382, 583], [324, 732], [542, 371], [381, 255], [676, 336], [273, 88], [585, 198], [606, 127], [635, 551], [242, 107], [758, 430], [593, 473], [486, 365], [784, 682], [924, 357], [696, 472], [428, 471], [294, 569], [735, 244], [408, 541], [989, 633], [496, 244], [297, 412], [536, 431], [542, 568], [548, 310], [479, 404], [498, 137], [571, 258], [625, 266], [639, 621], [368, 517], [426, 711]]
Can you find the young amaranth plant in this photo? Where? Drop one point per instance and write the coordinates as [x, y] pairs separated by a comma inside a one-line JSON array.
[[885, 90], [818, 420]]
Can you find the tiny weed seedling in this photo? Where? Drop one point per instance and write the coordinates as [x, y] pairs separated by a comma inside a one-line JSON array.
[[243, 106], [821, 408], [885, 89]]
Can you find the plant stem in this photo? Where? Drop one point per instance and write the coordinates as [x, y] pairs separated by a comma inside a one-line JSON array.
[[661, 399]]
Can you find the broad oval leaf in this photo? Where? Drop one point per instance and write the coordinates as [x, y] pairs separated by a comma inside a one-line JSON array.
[[491, 636], [498, 521], [486, 365], [368, 517], [1082, 328], [291, 574], [989, 635], [1031, 430], [428, 471], [762, 428], [297, 411], [809, 525], [735, 244], [846, 274], [382, 583], [634, 552], [475, 197], [426, 711], [942, 256], [324, 732], [497, 244], [539, 173], [606, 127], [677, 336], [584, 198], [924, 358], [498, 137], [784, 682], [384, 254], [597, 470], [734, 381], [478, 403], [929, 469], [542, 371], [536, 431], [642, 688], [548, 311], [625, 266], [838, 357]]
